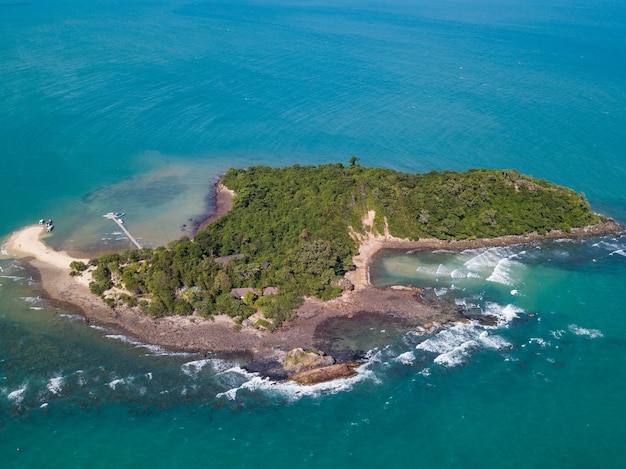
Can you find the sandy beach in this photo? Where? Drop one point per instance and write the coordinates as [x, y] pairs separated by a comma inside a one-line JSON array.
[[28, 243], [223, 204]]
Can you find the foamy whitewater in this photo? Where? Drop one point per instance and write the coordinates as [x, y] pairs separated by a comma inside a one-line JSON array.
[[139, 107]]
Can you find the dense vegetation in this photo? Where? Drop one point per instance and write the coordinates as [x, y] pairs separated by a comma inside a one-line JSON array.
[[292, 227]]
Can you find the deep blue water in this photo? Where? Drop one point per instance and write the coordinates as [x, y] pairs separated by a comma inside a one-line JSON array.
[[139, 106]]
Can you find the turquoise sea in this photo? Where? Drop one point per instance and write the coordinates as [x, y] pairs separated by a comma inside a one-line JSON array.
[[138, 106]]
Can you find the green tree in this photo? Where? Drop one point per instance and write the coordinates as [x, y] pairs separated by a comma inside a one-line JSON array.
[[222, 283]]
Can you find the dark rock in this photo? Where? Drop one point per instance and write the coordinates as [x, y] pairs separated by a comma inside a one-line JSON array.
[[298, 360], [326, 373]]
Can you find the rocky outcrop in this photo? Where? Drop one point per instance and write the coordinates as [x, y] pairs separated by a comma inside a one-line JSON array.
[[343, 283], [298, 360], [326, 373]]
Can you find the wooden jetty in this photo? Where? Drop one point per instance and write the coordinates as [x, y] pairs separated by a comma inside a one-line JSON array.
[[117, 218]]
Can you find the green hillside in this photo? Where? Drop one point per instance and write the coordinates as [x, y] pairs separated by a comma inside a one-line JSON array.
[[290, 229]]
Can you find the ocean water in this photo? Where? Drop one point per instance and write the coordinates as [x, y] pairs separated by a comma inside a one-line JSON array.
[[139, 106]]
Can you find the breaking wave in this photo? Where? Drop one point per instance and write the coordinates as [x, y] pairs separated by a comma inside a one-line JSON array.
[[17, 396], [55, 385], [502, 272], [153, 349], [455, 345], [193, 368], [289, 390], [591, 333]]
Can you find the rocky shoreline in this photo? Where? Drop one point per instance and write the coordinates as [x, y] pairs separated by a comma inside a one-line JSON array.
[[328, 338]]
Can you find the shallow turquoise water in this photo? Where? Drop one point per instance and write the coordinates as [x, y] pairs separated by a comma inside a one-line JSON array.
[[139, 107]]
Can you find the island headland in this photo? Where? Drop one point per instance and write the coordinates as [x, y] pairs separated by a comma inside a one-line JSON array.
[[210, 288]]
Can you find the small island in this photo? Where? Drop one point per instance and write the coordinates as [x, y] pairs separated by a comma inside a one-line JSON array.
[[285, 258]]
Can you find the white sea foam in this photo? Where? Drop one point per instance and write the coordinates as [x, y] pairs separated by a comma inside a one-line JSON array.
[[591, 333], [557, 334], [254, 383], [505, 314], [123, 338], [153, 349], [289, 389], [484, 260], [615, 247], [539, 341], [456, 273], [496, 264], [502, 272], [430, 271], [31, 299], [73, 317], [605, 245], [406, 358], [15, 278], [448, 339], [493, 341], [456, 355], [115, 383], [465, 303], [194, 367], [443, 271], [457, 343], [374, 356], [55, 385], [17, 396]]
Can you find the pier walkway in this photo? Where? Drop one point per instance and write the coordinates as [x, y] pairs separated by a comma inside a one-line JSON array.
[[118, 219]]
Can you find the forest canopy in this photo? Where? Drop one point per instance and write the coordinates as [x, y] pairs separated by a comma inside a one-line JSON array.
[[289, 229]]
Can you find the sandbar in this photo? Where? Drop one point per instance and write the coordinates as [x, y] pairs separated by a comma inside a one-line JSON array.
[[28, 243]]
